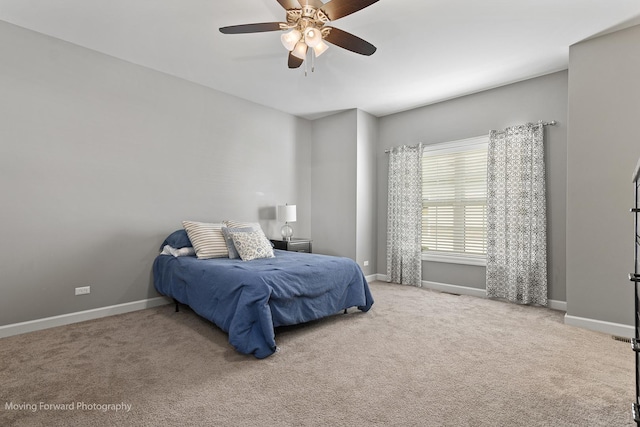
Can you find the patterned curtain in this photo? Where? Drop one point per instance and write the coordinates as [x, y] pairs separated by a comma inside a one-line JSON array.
[[516, 215], [404, 216]]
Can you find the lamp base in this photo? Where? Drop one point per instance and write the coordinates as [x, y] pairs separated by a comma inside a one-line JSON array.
[[286, 232]]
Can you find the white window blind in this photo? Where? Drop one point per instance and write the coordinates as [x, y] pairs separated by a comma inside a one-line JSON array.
[[454, 198]]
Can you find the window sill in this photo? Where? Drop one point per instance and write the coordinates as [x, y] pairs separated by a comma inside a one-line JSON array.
[[455, 259]]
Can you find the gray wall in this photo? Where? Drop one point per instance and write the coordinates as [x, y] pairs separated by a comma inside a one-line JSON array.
[[366, 198], [542, 98], [343, 186], [100, 159], [333, 184], [603, 148]]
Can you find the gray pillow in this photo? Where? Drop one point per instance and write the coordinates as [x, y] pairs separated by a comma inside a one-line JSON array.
[[226, 232]]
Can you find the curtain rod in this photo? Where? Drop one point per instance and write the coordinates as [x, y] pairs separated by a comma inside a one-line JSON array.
[[551, 123]]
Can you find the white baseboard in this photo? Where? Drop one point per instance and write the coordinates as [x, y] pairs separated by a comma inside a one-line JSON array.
[[454, 289], [617, 329], [381, 277], [610, 328], [474, 292], [557, 305], [80, 316], [372, 277]]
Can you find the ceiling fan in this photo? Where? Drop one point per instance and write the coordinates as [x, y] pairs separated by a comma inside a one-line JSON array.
[[306, 28]]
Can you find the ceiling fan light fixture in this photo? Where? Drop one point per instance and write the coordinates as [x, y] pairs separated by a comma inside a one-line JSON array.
[[312, 36], [320, 48], [290, 39], [306, 27], [300, 50]]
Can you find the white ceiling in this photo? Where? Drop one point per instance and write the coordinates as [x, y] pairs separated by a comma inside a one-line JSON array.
[[428, 50]]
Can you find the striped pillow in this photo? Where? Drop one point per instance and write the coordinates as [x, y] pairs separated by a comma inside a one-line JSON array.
[[207, 239], [242, 224]]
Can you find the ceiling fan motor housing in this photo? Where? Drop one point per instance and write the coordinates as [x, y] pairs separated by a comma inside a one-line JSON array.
[[308, 16]]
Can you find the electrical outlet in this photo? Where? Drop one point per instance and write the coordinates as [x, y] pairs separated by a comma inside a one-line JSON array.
[[83, 290], [366, 263]]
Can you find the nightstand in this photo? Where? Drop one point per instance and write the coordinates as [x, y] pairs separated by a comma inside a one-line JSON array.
[[293, 245]]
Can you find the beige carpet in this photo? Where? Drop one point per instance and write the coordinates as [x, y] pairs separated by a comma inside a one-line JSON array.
[[418, 358]]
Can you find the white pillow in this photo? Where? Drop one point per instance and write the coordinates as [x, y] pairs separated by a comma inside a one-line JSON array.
[[252, 245], [207, 239], [176, 252]]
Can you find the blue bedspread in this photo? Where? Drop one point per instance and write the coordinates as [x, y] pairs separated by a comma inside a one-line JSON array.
[[248, 299]]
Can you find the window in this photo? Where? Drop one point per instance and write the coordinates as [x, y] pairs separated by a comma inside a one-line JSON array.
[[454, 201]]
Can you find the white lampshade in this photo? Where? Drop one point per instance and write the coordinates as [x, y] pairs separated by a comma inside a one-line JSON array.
[[300, 51], [290, 39], [312, 36], [287, 213], [320, 48]]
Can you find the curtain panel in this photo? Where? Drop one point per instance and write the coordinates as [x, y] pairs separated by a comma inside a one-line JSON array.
[[404, 216], [516, 215]]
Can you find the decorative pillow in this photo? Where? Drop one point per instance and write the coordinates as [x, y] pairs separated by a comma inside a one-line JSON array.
[[170, 250], [178, 239], [252, 245], [233, 253], [207, 239]]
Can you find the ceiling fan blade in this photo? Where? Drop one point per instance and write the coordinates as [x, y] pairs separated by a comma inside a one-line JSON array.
[[294, 61], [251, 28], [350, 42], [289, 4], [336, 9], [314, 3]]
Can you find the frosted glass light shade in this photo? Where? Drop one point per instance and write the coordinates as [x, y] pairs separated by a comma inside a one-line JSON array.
[[320, 48], [287, 213], [290, 39], [312, 37], [300, 51]]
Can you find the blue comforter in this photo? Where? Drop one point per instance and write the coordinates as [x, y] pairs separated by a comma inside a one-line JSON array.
[[248, 299]]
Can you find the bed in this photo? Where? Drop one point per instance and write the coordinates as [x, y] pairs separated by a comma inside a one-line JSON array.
[[248, 299]]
